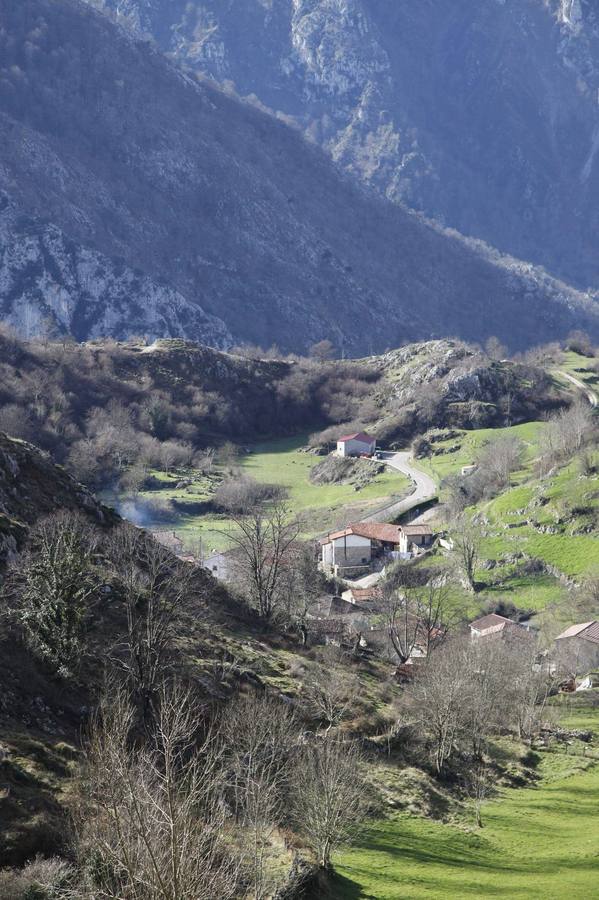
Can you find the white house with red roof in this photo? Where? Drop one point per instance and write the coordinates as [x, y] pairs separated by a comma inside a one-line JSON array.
[[578, 647], [357, 444]]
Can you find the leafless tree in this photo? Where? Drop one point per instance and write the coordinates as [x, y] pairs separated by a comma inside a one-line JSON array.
[[478, 782], [265, 538], [401, 624], [500, 458], [258, 734], [150, 814], [330, 699], [494, 349], [328, 795], [158, 591], [466, 548], [437, 699], [322, 351]]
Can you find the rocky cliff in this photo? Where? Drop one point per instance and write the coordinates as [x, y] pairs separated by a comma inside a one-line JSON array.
[[481, 113], [136, 199]]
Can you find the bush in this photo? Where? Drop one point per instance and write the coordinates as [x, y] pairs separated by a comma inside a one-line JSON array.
[[41, 879]]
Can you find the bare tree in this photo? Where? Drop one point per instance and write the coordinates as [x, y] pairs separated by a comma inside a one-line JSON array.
[[500, 458], [150, 815], [158, 591], [331, 699], [401, 624], [265, 538], [435, 703], [258, 734], [322, 351], [328, 795], [478, 782], [466, 548]]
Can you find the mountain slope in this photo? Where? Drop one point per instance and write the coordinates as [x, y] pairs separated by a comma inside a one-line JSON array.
[[481, 114], [175, 209]]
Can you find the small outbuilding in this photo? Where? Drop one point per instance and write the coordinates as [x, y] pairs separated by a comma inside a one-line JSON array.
[[415, 538], [357, 444], [494, 626], [578, 647]]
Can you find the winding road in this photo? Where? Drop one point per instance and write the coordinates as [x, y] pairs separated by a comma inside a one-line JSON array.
[[589, 394], [425, 488]]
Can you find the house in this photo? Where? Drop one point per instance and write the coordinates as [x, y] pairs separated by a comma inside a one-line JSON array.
[[363, 597], [170, 540], [352, 550], [415, 538], [469, 470], [577, 647], [357, 444], [496, 626], [220, 564]]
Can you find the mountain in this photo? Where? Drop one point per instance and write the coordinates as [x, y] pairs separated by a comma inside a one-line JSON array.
[[481, 113], [134, 198]]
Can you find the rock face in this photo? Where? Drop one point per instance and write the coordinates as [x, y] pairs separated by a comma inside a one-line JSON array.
[[481, 113], [32, 486], [134, 199]]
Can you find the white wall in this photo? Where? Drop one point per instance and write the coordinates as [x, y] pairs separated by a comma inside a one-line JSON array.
[[355, 448]]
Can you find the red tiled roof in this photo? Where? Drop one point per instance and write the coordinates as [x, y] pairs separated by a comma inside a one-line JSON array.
[[588, 631], [375, 531], [492, 622], [357, 436]]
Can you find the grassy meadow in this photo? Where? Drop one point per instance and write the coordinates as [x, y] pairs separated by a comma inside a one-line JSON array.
[[539, 842], [280, 462]]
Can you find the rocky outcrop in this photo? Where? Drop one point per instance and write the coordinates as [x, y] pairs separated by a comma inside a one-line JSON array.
[[481, 113], [32, 486]]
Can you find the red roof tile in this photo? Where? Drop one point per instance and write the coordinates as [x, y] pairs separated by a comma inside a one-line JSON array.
[[588, 631], [357, 436]]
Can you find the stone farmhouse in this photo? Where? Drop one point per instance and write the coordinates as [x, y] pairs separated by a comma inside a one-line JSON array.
[[353, 550], [577, 648], [358, 444]]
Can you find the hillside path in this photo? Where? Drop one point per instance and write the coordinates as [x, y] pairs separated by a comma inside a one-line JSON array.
[[589, 394], [425, 488]]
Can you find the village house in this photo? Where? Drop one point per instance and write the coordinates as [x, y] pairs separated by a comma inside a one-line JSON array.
[[365, 598], [353, 550], [170, 540], [220, 563], [358, 444], [577, 648], [494, 626], [415, 538]]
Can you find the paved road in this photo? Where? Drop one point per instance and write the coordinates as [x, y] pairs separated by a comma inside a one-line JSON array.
[[425, 488], [589, 394]]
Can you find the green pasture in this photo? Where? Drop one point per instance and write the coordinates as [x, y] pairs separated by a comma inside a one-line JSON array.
[[280, 462], [538, 843]]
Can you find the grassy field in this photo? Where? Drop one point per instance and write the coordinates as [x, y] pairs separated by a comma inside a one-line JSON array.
[[540, 842], [277, 462], [463, 449]]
